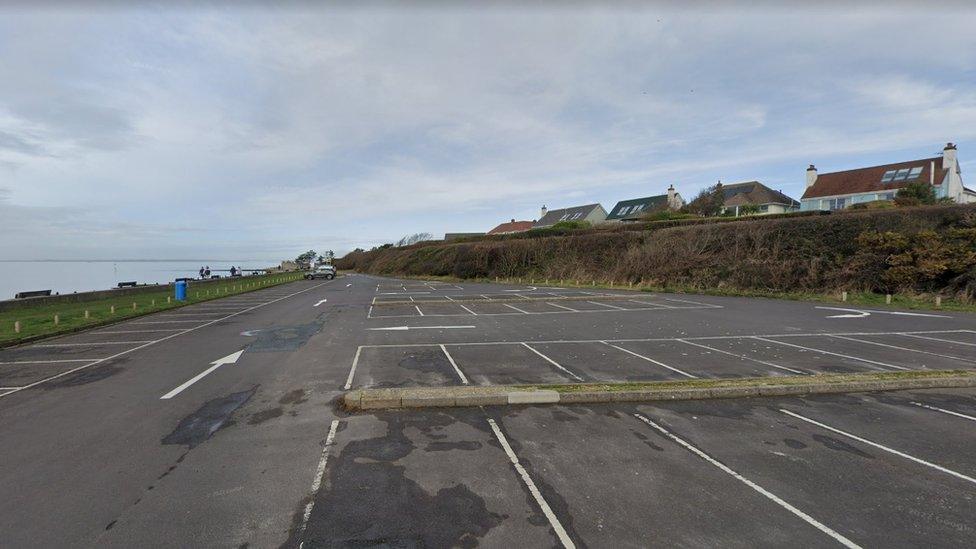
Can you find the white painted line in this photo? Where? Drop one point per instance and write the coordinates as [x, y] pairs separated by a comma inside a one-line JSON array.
[[369, 313], [915, 335], [412, 299], [229, 359], [875, 362], [352, 371], [766, 493], [402, 293], [606, 305], [59, 361], [944, 411], [663, 365], [55, 345], [546, 510], [449, 298], [317, 480], [553, 362], [450, 359], [421, 313], [562, 307], [406, 328], [903, 348], [652, 304], [467, 309], [320, 302], [745, 357], [869, 311], [171, 336], [347, 285], [139, 331], [880, 447], [172, 321], [699, 303], [517, 309]]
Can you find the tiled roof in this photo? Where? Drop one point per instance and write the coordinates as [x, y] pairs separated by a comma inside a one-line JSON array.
[[512, 227], [625, 208], [754, 192], [566, 214], [866, 180]]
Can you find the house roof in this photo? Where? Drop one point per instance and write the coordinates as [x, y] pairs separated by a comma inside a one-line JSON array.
[[625, 208], [512, 227], [575, 213], [754, 192], [866, 180]]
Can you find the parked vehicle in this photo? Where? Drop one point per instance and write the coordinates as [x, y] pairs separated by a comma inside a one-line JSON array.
[[327, 272]]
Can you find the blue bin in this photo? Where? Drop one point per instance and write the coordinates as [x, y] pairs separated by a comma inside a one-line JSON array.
[[181, 290]]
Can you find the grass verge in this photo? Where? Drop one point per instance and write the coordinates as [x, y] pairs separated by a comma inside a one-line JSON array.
[[38, 322]]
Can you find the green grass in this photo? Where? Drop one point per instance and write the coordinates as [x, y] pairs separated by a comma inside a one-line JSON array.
[[37, 322]]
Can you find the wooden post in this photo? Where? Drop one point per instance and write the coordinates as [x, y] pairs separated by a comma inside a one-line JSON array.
[[594, 284], [888, 299], [16, 326], [843, 296], [57, 319], [154, 303], [133, 305], [938, 301], [611, 284], [112, 309], [87, 314], [168, 299]]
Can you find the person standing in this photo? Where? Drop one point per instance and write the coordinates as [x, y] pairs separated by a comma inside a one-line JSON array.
[[201, 273]]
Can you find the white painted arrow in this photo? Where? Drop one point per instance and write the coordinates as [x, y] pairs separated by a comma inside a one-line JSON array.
[[530, 289], [404, 328], [229, 359], [347, 285], [861, 313], [320, 302]]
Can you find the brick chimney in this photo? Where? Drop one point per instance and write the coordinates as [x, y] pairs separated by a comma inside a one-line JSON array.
[[811, 175]]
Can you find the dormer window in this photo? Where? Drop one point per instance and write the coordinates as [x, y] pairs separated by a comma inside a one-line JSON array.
[[916, 171]]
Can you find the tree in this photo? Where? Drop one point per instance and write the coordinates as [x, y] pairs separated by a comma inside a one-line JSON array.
[[306, 258], [914, 193], [414, 238], [707, 203]]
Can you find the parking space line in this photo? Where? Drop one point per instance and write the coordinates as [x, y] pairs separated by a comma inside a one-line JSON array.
[[536, 494], [317, 480], [663, 365], [607, 305], [766, 493], [467, 309], [450, 359], [745, 357], [58, 361], [449, 298], [553, 362], [883, 364], [653, 305], [56, 345], [903, 348], [171, 321], [909, 334], [421, 313], [944, 411], [139, 331], [562, 307], [699, 303], [93, 362], [352, 371], [880, 446], [517, 309]]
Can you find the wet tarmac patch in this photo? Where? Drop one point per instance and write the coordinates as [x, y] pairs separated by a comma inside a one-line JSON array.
[[199, 426], [83, 377], [264, 415], [836, 444], [285, 338]]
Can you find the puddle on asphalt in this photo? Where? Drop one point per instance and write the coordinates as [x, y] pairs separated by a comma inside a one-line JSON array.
[[199, 426]]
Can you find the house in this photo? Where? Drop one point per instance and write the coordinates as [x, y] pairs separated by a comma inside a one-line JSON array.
[[512, 227], [838, 190], [755, 198], [633, 209], [593, 213]]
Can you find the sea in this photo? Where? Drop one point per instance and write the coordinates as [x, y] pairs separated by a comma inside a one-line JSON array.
[[84, 275]]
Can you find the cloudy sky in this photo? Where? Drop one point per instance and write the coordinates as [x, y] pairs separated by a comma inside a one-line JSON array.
[[258, 133]]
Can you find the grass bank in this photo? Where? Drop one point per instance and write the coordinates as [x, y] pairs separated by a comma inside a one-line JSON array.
[[39, 322]]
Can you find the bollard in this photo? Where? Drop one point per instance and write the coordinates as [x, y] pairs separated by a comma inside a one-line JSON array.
[[888, 299], [168, 299], [133, 305], [594, 284], [577, 282], [57, 320], [938, 301], [16, 326], [154, 303], [611, 284], [87, 314], [843, 296], [112, 309]]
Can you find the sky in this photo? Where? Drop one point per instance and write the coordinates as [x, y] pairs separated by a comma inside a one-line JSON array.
[[259, 132]]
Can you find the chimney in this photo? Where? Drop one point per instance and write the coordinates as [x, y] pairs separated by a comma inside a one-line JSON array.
[[671, 194], [949, 161], [543, 212], [811, 175], [513, 220]]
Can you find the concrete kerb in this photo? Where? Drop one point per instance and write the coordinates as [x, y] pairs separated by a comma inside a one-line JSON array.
[[497, 395]]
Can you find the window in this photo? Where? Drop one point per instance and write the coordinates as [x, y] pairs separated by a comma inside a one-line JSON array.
[[623, 211], [836, 203], [888, 176], [916, 171], [637, 208], [901, 175], [886, 196], [577, 215], [564, 217]]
